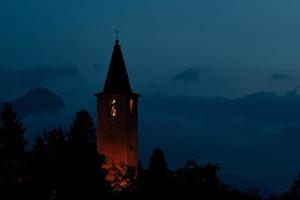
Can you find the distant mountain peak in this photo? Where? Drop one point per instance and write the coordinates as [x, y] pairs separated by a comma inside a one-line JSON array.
[[38, 100]]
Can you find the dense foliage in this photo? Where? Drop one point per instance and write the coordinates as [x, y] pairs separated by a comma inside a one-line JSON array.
[[64, 165]]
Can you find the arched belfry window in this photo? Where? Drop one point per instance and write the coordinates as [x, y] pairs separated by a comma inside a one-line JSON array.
[[113, 107], [131, 106]]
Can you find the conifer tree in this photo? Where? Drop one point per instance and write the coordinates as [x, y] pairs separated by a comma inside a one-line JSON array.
[[13, 169], [12, 142], [82, 130], [159, 177], [295, 189]]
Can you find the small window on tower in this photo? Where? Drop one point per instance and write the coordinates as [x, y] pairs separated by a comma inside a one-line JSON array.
[[113, 107], [131, 106]]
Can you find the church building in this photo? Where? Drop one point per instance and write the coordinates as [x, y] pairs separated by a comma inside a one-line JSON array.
[[117, 114]]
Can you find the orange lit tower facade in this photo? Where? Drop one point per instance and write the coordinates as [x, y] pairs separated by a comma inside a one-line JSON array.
[[117, 112]]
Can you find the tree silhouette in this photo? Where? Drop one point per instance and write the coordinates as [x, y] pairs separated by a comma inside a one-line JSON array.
[[85, 165], [158, 177], [194, 179], [157, 165], [101, 187], [12, 142], [295, 189], [13, 169], [82, 130], [124, 178], [57, 168], [65, 165], [40, 168]]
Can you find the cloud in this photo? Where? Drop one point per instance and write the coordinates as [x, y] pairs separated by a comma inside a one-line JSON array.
[[38, 74], [188, 74], [280, 76], [14, 81]]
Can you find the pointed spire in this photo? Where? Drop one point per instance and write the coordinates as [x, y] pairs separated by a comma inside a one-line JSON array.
[[117, 35], [117, 80]]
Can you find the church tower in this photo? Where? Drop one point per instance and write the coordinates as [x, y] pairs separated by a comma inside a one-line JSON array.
[[117, 112]]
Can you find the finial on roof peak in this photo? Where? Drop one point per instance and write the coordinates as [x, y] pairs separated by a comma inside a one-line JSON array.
[[117, 37]]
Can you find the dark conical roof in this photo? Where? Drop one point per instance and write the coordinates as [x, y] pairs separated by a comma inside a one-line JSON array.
[[117, 80]]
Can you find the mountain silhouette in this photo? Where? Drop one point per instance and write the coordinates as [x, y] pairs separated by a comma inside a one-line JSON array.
[[37, 100]]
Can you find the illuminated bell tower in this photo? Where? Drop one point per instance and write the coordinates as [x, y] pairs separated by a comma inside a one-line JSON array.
[[117, 112]]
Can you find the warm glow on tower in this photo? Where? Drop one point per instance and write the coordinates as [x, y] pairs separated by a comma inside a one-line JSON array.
[[131, 106], [117, 122]]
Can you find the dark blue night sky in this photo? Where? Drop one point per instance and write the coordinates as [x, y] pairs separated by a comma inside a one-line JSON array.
[[225, 42], [180, 56]]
